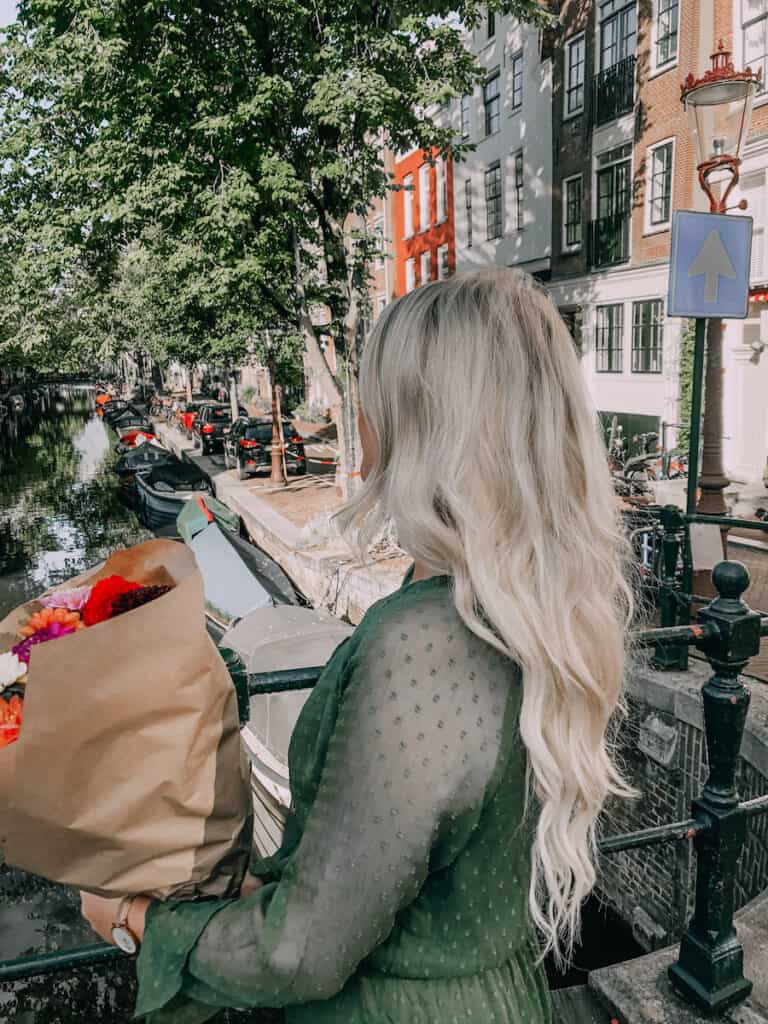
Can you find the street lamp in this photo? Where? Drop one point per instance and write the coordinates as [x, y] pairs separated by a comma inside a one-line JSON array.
[[719, 107]]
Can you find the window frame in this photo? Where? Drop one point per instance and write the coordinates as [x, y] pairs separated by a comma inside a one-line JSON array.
[[381, 303], [761, 96], [580, 37], [494, 168], [490, 25], [572, 247], [409, 196], [443, 251], [658, 68], [425, 258], [441, 188], [378, 230], [424, 176], [617, 7], [410, 274], [468, 190], [610, 350], [465, 116], [488, 116], [519, 178], [652, 227], [517, 66], [654, 350]]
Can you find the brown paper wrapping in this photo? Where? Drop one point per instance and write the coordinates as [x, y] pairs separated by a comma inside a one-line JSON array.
[[129, 775]]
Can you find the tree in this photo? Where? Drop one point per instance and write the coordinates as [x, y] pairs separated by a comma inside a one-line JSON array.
[[235, 140]]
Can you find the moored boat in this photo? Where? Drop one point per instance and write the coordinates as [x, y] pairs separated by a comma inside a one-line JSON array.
[[163, 491]]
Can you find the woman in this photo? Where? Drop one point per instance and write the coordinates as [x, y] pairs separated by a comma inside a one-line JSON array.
[[449, 767]]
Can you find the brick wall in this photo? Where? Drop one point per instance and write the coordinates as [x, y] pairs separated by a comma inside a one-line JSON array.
[[660, 116], [661, 879]]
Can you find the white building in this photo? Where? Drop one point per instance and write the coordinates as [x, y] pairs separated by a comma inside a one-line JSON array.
[[502, 191]]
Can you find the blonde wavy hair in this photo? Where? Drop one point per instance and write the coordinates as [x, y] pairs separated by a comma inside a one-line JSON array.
[[491, 466]]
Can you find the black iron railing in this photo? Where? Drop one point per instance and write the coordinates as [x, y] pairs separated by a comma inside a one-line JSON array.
[[613, 92], [709, 969], [608, 240]]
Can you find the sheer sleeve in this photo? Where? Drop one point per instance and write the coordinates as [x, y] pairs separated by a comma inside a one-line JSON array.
[[415, 744]]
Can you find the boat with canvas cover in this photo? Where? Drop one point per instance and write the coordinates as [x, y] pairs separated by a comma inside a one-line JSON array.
[[163, 491]]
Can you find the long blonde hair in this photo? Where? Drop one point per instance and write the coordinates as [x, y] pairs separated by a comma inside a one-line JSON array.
[[492, 469]]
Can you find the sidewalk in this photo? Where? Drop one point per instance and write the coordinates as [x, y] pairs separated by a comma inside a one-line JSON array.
[[290, 525]]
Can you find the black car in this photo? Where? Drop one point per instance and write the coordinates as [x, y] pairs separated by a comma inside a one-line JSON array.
[[248, 446], [209, 425]]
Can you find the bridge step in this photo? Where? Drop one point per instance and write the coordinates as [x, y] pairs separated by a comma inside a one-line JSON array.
[[577, 1005]]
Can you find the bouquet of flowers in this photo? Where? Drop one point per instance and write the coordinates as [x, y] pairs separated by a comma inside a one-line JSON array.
[[115, 679]]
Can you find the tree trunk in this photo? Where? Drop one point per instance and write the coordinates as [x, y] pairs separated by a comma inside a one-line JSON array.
[[188, 382], [234, 402], [279, 390]]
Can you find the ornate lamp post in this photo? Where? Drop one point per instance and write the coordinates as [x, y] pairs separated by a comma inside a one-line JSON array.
[[719, 107]]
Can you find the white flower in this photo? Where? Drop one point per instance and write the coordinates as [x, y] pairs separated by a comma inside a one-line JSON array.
[[11, 669]]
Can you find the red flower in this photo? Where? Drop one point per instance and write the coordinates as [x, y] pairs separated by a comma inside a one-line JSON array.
[[10, 720], [99, 605]]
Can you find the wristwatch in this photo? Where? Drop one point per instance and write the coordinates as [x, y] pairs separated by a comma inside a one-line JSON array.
[[122, 936]]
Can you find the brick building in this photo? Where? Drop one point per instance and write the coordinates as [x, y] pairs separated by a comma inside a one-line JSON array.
[[424, 246], [624, 159]]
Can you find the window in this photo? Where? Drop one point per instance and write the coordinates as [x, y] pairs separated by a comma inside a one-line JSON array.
[[465, 126], [443, 267], [519, 194], [517, 81], [382, 304], [408, 205], [491, 25], [378, 230], [609, 333], [426, 267], [667, 17], [618, 32], [572, 212], [574, 75], [660, 184], [442, 189], [425, 214], [410, 274], [754, 17], [572, 318], [492, 103], [468, 209], [493, 211], [647, 336]]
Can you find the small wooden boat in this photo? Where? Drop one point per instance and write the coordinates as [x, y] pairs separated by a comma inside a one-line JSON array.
[[141, 460], [163, 491], [267, 640]]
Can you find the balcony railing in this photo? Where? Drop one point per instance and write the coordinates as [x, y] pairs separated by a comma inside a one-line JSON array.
[[609, 240], [613, 92]]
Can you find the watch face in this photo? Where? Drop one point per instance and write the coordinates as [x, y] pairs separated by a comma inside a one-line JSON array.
[[123, 939]]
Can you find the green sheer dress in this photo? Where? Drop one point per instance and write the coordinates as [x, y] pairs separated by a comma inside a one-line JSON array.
[[399, 893]]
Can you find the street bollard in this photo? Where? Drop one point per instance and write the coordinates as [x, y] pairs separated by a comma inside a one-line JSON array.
[[670, 657], [710, 969]]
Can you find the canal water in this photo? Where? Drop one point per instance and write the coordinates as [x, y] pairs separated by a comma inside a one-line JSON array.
[[60, 515]]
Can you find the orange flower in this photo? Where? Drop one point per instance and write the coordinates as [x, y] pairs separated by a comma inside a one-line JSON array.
[[46, 617], [10, 720]]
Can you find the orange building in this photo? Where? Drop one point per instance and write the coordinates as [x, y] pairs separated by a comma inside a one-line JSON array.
[[424, 242]]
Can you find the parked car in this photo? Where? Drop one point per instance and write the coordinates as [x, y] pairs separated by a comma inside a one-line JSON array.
[[209, 425], [248, 446]]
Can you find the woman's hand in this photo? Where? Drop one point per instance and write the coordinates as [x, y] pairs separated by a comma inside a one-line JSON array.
[[101, 913], [250, 884]]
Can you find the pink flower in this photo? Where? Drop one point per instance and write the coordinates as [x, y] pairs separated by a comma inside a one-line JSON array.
[[52, 632], [73, 600]]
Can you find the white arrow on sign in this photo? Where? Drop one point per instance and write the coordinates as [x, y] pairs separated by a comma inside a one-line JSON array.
[[713, 262]]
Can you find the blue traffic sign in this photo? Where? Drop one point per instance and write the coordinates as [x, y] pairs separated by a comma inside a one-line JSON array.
[[709, 268]]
